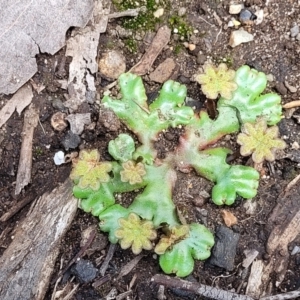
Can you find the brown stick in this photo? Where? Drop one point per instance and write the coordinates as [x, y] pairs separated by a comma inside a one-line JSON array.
[[198, 288], [17, 207]]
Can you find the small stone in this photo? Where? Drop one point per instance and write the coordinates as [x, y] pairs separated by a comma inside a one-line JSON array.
[[295, 250], [246, 17], [59, 158], [112, 64], [295, 146], [235, 9], [84, 271], [192, 47], [224, 250], [204, 194], [240, 36], [270, 77], [181, 11], [199, 201], [58, 121], [78, 121], [58, 104], [294, 30], [280, 88], [109, 120], [260, 16], [229, 218], [298, 37], [71, 141], [164, 71], [201, 58], [291, 88], [158, 13]]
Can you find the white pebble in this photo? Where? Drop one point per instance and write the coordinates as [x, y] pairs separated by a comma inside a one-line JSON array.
[[59, 158]]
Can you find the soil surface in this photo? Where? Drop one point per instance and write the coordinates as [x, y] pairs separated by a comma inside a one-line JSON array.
[[274, 51]]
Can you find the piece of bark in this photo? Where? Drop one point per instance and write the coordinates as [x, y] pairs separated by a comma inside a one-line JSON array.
[[198, 288], [160, 40], [283, 224], [31, 118], [18, 102], [27, 264], [82, 46], [254, 281], [32, 27]]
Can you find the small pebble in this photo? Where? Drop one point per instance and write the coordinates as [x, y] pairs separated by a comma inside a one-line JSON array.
[[295, 31], [246, 17], [181, 11], [280, 88], [58, 121], [71, 141], [235, 9], [295, 250], [291, 88], [158, 13], [240, 36], [260, 16], [192, 47], [58, 104], [112, 64], [59, 158], [201, 58], [270, 77]]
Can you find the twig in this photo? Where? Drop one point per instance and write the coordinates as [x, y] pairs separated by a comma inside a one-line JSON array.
[[292, 183], [124, 295], [107, 259], [129, 266], [289, 295], [198, 289], [127, 13], [17, 207], [205, 21], [292, 104], [218, 35]]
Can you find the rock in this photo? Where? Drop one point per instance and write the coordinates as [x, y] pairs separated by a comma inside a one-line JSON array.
[[59, 158], [122, 32], [246, 17], [240, 36], [235, 9], [109, 120], [280, 88], [71, 141], [158, 13], [201, 58], [224, 250], [291, 88], [199, 201], [164, 71], [58, 104], [294, 30], [228, 217], [112, 64], [58, 121], [181, 11], [260, 16], [77, 122], [296, 250], [84, 271], [270, 77]]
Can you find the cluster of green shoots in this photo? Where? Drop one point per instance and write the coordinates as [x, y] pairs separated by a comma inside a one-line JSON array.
[[150, 221]]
